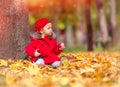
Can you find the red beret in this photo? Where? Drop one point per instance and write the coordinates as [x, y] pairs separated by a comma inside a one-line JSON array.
[[40, 23]]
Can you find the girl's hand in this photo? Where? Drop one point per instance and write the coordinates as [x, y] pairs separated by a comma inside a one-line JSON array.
[[62, 46], [36, 54]]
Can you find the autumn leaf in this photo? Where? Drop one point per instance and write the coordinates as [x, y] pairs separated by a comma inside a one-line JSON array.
[[86, 69], [79, 57], [10, 80], [33, 69], [3, 62]]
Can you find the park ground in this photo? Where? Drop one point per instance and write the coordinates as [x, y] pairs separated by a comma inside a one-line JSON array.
[[77, 69]]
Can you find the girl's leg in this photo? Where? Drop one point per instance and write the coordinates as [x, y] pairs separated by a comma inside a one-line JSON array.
[[40, 61], [56, 64]]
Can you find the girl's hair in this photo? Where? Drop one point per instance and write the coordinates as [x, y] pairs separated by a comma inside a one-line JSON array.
[[37, 35]]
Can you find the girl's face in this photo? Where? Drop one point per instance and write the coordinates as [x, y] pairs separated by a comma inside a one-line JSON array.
[[47, 30]]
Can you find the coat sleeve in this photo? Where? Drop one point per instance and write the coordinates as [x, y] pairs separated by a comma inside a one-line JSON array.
[[30, 48], [57, 50]]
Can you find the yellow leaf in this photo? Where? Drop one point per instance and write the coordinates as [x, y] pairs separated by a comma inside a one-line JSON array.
[[87, 69], [3, 62], [64, 81], [79, 57], [9, 80], [33, 69], [65, 62]]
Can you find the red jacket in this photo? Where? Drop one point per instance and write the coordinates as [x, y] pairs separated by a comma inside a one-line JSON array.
[[48, 48]]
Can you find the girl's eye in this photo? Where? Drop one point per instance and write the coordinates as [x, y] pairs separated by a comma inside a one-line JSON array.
[[50, 28]]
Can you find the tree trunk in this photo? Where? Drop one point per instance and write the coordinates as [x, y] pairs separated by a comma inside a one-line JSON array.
[[63, 36], [14, 33], [74, 35], [83, 32], [102, 21], [112, 26], [89, 26]]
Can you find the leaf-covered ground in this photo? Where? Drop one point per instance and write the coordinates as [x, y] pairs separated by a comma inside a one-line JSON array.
[[98, 69]]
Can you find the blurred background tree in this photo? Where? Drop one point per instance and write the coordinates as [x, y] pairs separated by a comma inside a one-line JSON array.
[[78, 23]]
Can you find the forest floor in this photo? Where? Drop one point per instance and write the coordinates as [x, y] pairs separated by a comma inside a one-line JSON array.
[[80, 69]]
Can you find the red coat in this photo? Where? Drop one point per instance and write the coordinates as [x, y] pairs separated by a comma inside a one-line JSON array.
[[47, 47]]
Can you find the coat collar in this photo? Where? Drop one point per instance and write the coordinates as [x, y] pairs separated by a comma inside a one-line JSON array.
[[37, 36]]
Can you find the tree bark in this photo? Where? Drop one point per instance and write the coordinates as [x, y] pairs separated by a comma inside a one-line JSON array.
[[63, 36], [74, 35], [89, 26], [83, 32], [112, 26], [102, 21], [14, 28]]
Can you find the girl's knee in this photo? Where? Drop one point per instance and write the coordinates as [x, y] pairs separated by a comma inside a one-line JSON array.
[[40, 62], [56, 64]]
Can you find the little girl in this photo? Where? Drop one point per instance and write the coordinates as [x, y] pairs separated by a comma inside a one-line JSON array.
[[43, 48]]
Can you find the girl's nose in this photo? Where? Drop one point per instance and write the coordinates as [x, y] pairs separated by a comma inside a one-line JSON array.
[[51, 29]]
